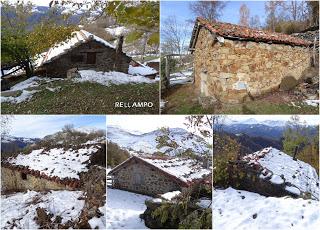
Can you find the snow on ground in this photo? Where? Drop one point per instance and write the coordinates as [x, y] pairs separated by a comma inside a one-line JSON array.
[[181, 78], [99, 222], [141, 70], [20, 208], [57, 161], [186, 170], [25, 87], [124, 208], [314, 103], [30, 82], [300, 174], [237, 209], [24, 96], [170, 195], [117, 31], [108, 78], [204, 203]]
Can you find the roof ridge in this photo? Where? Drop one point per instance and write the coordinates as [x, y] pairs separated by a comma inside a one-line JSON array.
[[234, 31]]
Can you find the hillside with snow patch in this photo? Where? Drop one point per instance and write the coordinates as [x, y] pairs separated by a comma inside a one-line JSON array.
[[146, 143]]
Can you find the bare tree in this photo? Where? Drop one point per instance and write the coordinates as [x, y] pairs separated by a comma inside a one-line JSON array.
[[5, 124], [255, 22], [271, 8], [210, 10], [244, 15], [174, 35]]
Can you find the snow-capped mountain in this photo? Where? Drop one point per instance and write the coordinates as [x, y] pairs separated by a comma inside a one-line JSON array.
[[25, 140], [272, 129], [10, 144], [147, 143], [252, 121]]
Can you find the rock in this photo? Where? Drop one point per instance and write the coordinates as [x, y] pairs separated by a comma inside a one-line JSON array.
[[11, 93], [288, 83], [73, 73]]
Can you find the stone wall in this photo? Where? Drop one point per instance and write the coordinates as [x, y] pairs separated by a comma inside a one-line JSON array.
[[140, 178], [15, 180], [233, 70], [77, 58]]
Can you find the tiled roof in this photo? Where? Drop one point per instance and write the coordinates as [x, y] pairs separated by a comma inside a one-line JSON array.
[[229, 30], [186, 171]]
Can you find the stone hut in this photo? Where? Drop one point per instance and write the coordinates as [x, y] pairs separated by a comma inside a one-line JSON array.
[[51, 169], [82, 51], [154, 176], [233, 63], [265, 172]]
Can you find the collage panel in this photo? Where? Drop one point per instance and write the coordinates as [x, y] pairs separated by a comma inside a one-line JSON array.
[[239, 57], [79, 57], [265, 172], [53, 172], [159, 173]]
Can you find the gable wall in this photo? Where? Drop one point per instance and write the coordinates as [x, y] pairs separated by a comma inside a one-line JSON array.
[[105, 58], [152, 182], [236, 68], [12, 180]]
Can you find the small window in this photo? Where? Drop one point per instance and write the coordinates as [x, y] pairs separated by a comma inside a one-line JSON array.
[[23, 176], [76, 58], [91, 58]]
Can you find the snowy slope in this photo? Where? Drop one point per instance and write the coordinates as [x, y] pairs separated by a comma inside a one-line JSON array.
[[237, 209], [57, 161], [19, 209], [124, 208], [147, 143], [280, 168]]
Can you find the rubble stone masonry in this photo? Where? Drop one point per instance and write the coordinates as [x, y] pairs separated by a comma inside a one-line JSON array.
[[18, 181], [232, 70], [143, 179]]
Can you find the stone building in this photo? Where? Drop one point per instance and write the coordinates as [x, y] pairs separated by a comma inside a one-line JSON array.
[[51, 169], [153, 176], [82, 51], [233, 63]]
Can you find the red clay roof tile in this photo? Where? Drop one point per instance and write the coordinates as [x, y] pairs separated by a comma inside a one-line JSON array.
[[238, 32]]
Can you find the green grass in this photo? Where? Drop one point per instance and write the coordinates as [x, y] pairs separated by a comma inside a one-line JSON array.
[[183, 100], [88, 98], [263, 107]]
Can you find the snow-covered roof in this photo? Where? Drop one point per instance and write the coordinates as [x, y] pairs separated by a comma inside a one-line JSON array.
[[280, 168], [183, 169], [56, 162], [78, 38]]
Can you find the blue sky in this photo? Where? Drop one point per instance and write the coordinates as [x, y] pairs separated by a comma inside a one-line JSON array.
[[42, 125], [230, 13]]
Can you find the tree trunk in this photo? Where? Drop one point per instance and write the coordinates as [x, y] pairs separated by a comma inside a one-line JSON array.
[[28, 68], [117, 61]]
